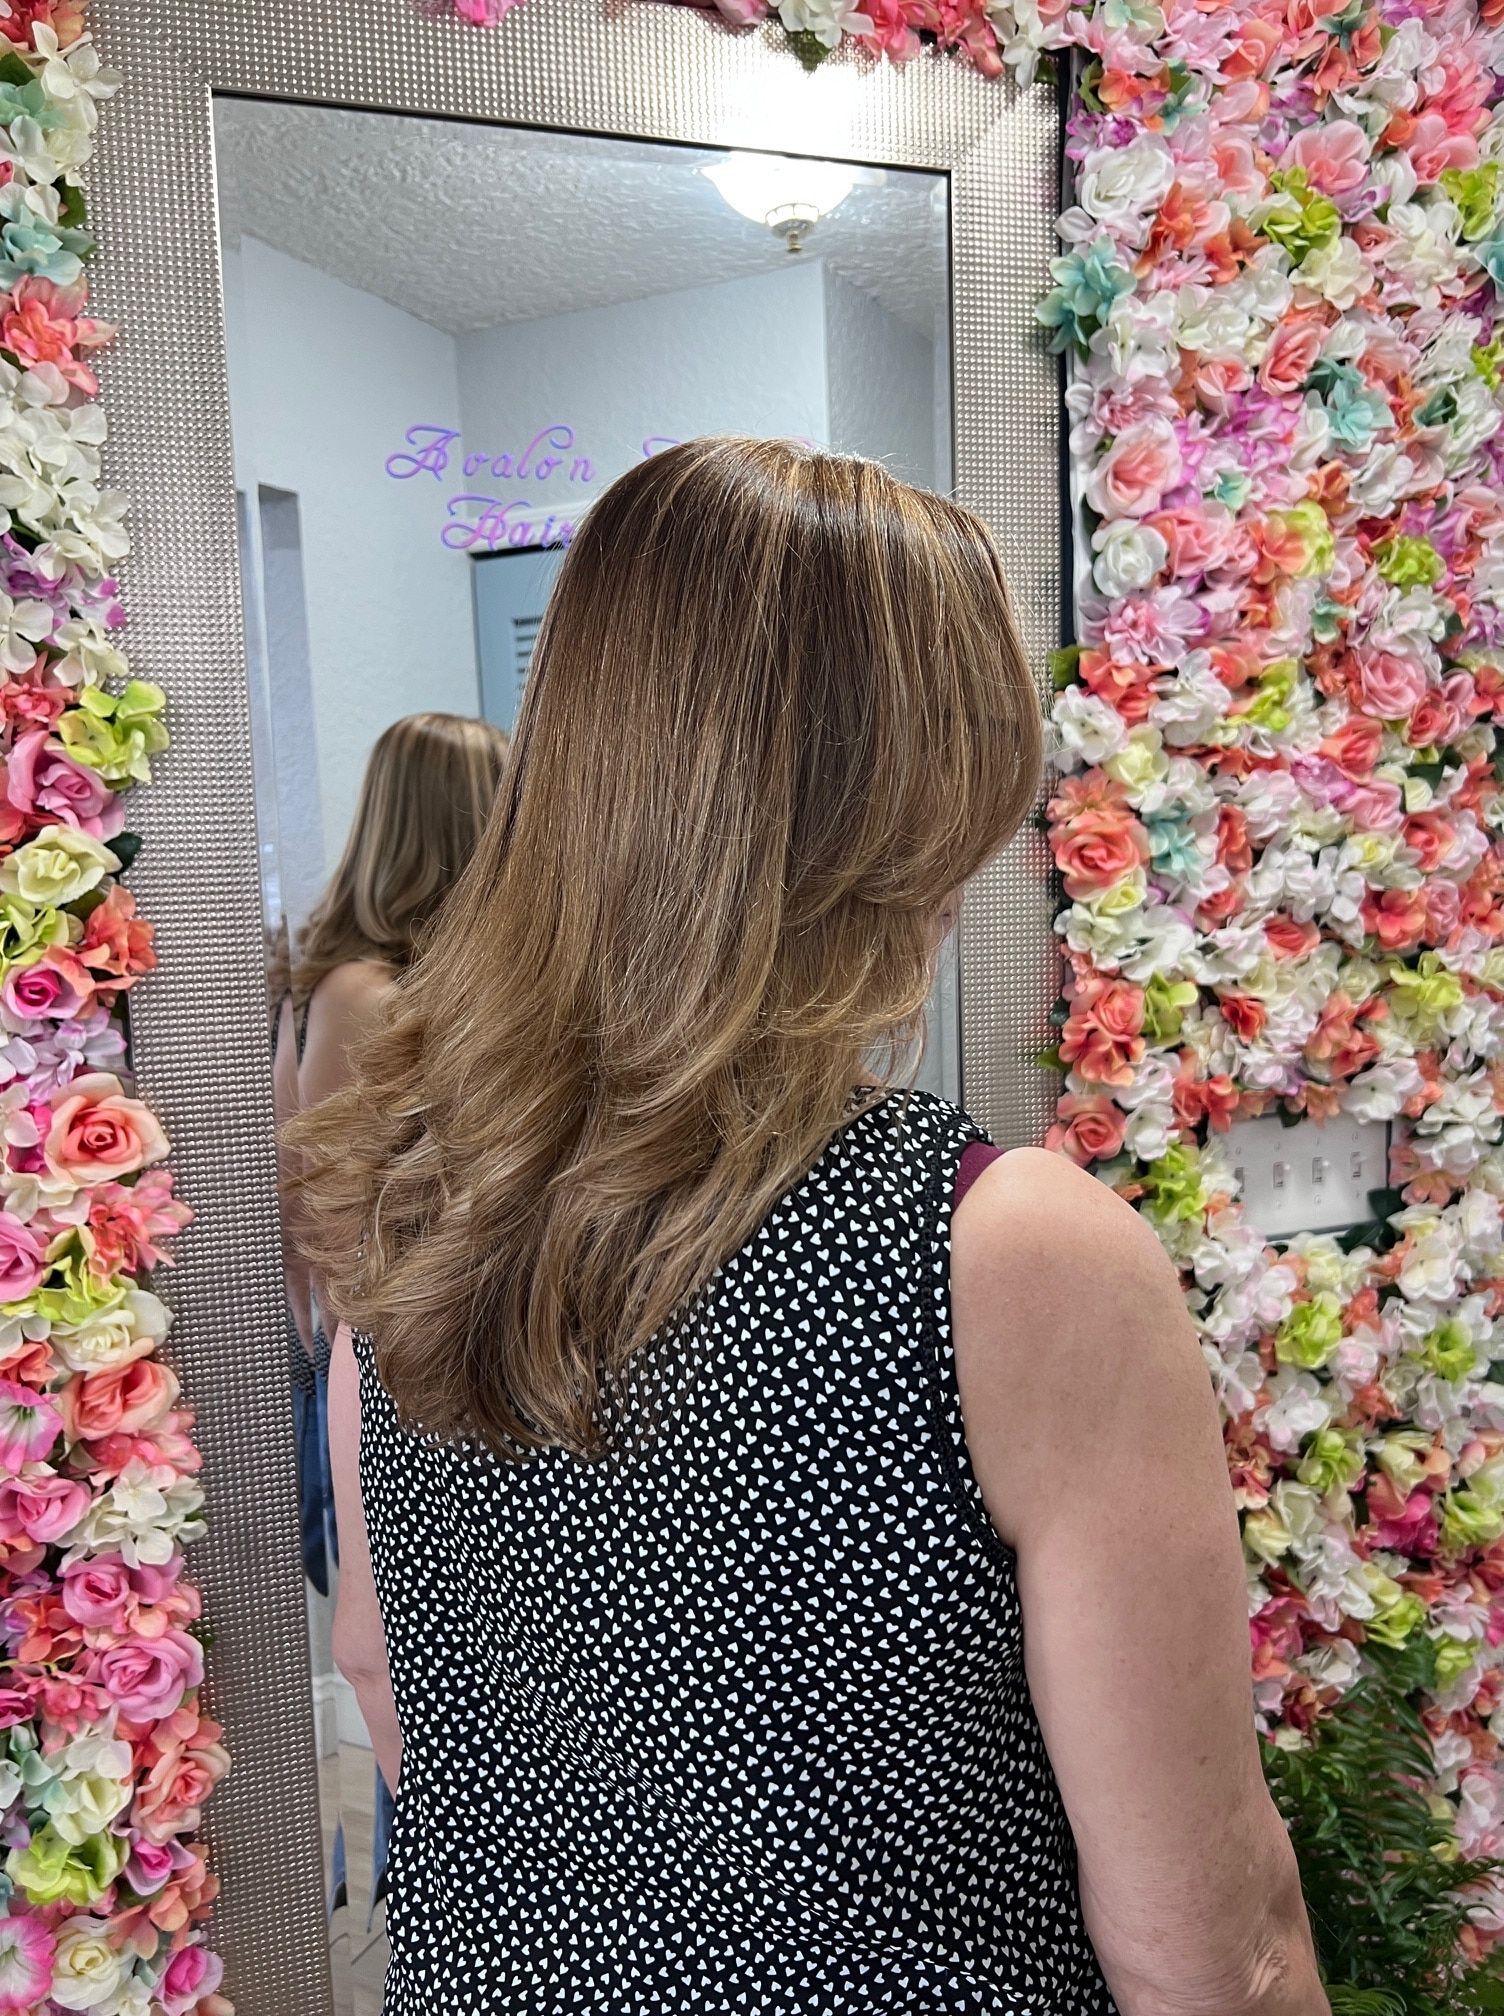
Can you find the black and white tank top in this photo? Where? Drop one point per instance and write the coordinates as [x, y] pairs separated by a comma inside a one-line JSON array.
[[735, 1719]]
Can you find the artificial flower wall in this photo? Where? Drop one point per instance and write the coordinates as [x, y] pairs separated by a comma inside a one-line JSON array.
[[106, 1756], [1278, 818], [1278, 811]]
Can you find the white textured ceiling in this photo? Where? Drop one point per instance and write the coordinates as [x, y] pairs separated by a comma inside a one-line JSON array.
[[468, 226]]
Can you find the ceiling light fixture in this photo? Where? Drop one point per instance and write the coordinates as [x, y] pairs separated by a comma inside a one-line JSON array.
[[786, 193]]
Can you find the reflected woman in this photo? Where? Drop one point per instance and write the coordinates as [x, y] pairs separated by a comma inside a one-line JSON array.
[[428, 789], [813, 1589]]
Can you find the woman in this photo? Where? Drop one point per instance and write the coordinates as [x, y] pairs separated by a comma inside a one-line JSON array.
[[728, 1671], [428, 789]]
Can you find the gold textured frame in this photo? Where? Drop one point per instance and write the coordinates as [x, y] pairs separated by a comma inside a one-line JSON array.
[[201, 1030]]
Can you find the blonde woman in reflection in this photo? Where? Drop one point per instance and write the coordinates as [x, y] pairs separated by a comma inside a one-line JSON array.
[[429, 786], [813, 1590]]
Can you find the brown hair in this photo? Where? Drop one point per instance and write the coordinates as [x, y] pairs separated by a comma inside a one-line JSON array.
[[779, 712], [427, 792]]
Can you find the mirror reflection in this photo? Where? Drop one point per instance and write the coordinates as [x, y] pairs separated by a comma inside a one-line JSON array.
[[445, 340]]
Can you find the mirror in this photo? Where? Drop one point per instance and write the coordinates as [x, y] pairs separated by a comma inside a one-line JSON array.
[[444, 340]]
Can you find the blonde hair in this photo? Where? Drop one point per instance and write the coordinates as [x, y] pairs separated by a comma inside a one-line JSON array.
[[779, 711], [427, 792]]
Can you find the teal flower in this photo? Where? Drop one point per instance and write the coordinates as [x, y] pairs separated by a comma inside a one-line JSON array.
[[30, 243], [1087, 284], [1172, 845], [1356, 413], [1490, 256], [37, 248], [1355, 409]]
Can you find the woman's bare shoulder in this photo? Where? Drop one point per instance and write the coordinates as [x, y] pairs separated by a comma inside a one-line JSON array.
[[1034, 1222], [356, 987]]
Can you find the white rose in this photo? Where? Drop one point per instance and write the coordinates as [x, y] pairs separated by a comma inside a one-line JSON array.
[[1120, 187], [1087, 730], [92, 1786], [1128, 556], [86, 1969], [130, 1327], [1137, 340]]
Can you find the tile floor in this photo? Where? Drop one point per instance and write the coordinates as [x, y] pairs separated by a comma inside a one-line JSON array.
[[347, 1787]]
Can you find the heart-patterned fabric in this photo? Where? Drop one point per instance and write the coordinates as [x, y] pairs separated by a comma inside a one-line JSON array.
[[735, 1719]]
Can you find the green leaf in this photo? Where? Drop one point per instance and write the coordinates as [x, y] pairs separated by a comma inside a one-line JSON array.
[[125, 847], [72, 210], [810, 50], [1049, 1059], [1065, 667], [14, 70]]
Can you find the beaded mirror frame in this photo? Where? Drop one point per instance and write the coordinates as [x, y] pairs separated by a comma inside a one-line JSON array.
[[201, 1031]]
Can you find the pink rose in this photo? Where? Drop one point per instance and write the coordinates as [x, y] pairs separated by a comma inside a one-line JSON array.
[[96, 1592], [42, 1507], [53, 990], [23, 1259], [1433, 147], [1334, 155], [43, 781], [1132, 477], [29, 1422], [1392, 687], [1196, 541], [191, 1973], [98, 1133], [147, 1678], [1288, 360], [149, 1867]]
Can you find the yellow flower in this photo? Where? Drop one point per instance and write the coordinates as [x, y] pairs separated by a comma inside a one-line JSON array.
[[1142, 763], [53, 1871], [1397, 1614], [1126, 894], [56, 868]]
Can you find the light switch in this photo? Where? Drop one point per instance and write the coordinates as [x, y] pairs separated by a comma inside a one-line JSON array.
[[1313, 1177]]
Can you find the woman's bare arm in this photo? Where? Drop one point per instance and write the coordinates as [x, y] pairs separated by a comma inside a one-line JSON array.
[[359, 1640], [1094, 1435]]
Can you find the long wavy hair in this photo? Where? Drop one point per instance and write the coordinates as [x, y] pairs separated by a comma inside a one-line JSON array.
[[779, 712], [429, 786]]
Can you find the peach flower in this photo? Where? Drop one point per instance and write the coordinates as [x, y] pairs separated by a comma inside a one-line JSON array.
[[1103, 1035], [121, 1400], [98, 1133], [1396, 917], [183, 1761], [1098, 848], [1087, 1130], [1132, 478]]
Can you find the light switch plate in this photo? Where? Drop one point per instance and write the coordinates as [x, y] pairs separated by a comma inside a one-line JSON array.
[[1313, 1177]]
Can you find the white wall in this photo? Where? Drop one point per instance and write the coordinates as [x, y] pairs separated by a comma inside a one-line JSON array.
[[881, 379], [324, 380], [744, 357]]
